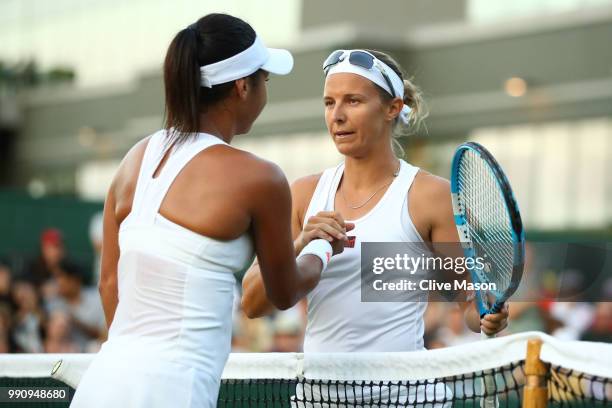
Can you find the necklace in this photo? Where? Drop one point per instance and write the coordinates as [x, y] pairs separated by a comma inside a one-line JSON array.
[[395, 174]]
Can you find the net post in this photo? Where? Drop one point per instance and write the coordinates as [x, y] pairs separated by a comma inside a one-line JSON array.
[[535, 393]]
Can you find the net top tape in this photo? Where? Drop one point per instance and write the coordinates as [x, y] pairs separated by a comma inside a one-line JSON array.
[[587, 357]]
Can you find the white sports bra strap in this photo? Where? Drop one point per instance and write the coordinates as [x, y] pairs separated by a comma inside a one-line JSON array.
[[154, 190], [152, 156]]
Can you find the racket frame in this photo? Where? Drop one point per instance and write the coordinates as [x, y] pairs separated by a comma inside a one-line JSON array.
[[516, 225]]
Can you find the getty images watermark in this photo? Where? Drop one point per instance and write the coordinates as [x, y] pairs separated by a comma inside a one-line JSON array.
[[416, 272], [412, 264]]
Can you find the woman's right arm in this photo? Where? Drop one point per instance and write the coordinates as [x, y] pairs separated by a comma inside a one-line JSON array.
[[283, 280], [255, 299], [255, 302]]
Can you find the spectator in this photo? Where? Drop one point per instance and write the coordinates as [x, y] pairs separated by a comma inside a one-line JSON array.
[[82, 305], [434, 318], [289, 329], [28, 318], [5, 284], [58, 334], [453, 330], [6, 310], [601, 326], [526, 313], [524, 317], [251, 335], [7, 344], [574, 319], [52, 253]]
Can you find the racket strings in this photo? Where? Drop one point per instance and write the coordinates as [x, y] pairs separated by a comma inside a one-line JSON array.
[[490, 228]]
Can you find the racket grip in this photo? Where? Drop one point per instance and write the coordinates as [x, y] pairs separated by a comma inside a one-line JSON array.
[[485, 336]]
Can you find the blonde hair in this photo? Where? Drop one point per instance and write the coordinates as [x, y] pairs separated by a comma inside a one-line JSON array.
[[413, 97]]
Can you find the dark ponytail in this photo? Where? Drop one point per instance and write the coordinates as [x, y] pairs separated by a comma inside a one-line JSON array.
[[212, 38]]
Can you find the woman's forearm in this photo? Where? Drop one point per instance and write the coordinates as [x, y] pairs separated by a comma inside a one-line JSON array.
[[254, 302], [108, 293]]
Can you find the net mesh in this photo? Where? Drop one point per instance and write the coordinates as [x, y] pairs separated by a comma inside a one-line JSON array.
[[571, 388], [456, 391], [452, 377]]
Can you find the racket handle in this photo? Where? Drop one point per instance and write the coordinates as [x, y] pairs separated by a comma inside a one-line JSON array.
[[497, 307], [485, 336]]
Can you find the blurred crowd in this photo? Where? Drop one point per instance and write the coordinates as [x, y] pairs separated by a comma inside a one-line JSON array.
[[52, 305], [47, 307], [444, 325]]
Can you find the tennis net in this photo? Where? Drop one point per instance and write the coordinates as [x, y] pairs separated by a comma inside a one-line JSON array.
[[498, 371]]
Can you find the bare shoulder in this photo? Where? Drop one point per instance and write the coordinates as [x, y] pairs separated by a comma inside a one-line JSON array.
[[430, 202], [428, 187], [136, 152], [254, 168], [128, 170], [249, 175], [125, 180], [304, 187], [302, 191]]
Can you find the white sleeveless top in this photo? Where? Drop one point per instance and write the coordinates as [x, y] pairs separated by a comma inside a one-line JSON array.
[[176, 287], [337, 319]]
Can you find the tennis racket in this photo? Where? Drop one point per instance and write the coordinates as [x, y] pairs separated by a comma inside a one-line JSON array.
[[490, 229]]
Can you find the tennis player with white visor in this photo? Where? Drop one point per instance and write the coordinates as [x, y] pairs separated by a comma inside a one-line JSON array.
[[382, 198], [185, 213]]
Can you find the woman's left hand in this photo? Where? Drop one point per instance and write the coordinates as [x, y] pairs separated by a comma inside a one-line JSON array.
[[494, 323]]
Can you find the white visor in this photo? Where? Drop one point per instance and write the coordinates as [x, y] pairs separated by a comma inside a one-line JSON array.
[[257, 56], [375, 76]]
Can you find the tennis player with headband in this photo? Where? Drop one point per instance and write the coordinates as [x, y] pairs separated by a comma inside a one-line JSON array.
[[386, 199], [185, 212]]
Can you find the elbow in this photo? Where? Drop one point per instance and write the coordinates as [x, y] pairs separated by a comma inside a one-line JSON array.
[[254, 309], [259, 300], [284, 302], [249, 310]]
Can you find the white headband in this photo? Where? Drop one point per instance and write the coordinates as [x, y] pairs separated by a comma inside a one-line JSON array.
[[243, 64], [375, 76]]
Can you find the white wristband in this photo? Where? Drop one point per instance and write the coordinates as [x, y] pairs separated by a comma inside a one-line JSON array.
[[319, 248]]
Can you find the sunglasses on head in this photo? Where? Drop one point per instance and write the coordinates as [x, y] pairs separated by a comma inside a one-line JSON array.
[[361, 59]]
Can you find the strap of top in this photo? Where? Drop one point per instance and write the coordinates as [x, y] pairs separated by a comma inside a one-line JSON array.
[[398, 191], [150, 192], [154, 152], [320, 200]]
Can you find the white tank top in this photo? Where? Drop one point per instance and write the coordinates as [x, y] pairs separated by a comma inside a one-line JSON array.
[[176, 287], [337, 319]]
